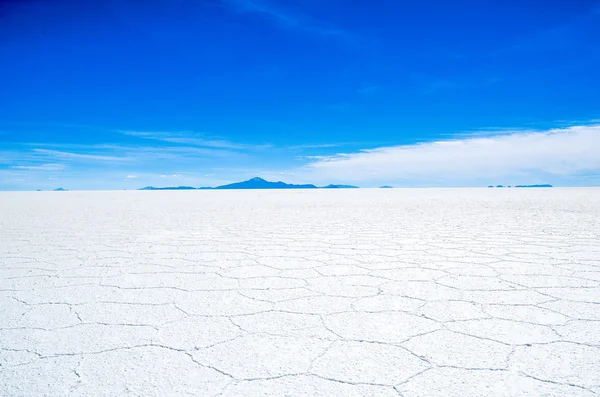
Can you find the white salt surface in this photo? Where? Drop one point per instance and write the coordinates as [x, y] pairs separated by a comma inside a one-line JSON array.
[[391, 292]]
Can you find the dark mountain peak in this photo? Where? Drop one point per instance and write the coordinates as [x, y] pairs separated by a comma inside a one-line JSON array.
[[259, 183]]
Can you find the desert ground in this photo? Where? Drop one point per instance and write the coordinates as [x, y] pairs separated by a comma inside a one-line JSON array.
[[368, 292]]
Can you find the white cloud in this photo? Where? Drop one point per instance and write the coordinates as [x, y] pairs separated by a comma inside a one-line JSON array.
[[176, 176], [519, 155], [43, 167], [131, 176]]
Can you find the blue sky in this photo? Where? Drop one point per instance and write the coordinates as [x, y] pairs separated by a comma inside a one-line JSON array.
[[123, 94]]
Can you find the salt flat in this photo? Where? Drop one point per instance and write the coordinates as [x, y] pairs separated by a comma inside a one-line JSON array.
[[371, 292]]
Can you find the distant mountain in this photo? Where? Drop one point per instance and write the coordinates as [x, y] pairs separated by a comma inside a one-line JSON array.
[[259, 183], [254, 183], [339, 187], [543, 185], [168, 188], [385, 187], [60, 189]]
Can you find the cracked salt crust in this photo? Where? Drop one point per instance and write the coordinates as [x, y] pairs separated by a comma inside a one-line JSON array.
[[398, 292]]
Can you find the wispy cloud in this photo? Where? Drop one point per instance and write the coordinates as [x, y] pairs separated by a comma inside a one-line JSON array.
[[494, 156], [571, 34], [489, 132], [78, 156], [261, 7], [43, 167], [192, 139], [195, 142], [119, 153], [431, 85], [171, 176], [287, 18], [370, 90], [314, 146], [522, 156]]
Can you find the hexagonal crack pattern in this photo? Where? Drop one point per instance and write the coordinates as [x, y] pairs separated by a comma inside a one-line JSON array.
[[397, 292]]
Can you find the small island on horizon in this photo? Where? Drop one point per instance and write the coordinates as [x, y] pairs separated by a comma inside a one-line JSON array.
[[522, 186]]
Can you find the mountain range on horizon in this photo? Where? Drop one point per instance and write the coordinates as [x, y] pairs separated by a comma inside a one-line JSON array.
[[254, 183], [260, 183], [524, 186]]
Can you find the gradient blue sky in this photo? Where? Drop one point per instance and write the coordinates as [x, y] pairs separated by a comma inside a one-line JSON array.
[[123, 94]]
